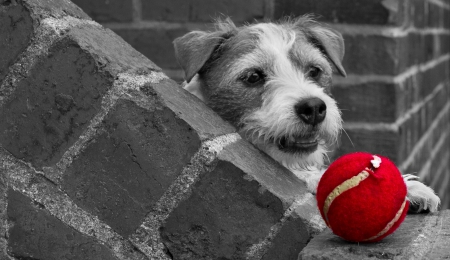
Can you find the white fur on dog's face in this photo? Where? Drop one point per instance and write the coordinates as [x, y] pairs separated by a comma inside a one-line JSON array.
[[264, 112]]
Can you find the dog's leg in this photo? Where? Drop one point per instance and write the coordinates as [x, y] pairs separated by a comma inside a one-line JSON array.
[[421, 197]]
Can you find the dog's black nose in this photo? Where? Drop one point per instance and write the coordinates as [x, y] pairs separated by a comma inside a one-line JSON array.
[[312, 111]]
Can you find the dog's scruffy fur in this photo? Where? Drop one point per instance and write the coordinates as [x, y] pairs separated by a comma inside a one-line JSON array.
[[272, 81]]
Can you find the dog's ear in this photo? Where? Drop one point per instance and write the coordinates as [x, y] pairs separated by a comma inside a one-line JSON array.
[[194, 49], [331, 43]]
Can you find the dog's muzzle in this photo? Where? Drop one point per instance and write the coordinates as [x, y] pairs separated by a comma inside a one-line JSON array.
[[298, 144]]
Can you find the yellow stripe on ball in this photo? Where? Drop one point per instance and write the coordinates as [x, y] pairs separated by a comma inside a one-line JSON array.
[[345, 186], [390, 224]]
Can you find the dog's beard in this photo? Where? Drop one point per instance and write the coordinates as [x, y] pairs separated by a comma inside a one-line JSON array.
[[301, 153], [277, 130]]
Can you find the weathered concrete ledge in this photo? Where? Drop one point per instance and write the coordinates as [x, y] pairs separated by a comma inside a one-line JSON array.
[[421, 236]]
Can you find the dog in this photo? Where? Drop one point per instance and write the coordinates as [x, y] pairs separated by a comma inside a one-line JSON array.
[[272, 81]]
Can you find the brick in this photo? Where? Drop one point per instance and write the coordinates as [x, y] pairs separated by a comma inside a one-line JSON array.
[[380, 142], [433, 77], [420, 236], [223, 217], [16, 28], [435, 16], [201, 118], [54, 8], [234, 207], [441, 156], [50, 108], [120, 175], [154, 43], [202, 10], [418, 13], [288, 243], [376, 54], [108, 10], [371, 54], [347, 11], [63, 91], [368, 102], [35, 234]]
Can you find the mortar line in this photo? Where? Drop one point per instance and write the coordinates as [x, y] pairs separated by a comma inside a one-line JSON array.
[[439, 3], [441, 169], [36, 49], [444, 188], [24, 179], [147, 237], [4, 214], [425, 170], [124, 83], [158, 25], [355, 79], [419, 105], [258, 250], [445, 111], [386, 31], [394, 127]]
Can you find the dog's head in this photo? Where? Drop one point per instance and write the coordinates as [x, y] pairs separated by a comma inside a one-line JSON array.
[[272, 81]]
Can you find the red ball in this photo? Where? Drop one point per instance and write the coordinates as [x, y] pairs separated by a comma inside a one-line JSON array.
[[361, 202]]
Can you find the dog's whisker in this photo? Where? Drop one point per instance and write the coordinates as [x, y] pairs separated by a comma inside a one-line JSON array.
[[348, 137]]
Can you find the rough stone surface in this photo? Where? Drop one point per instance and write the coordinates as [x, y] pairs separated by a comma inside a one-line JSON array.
[[290, 240], [237, 206], [131, 163], [58, 99], [272, 176], [223, 217], [201, 118], [420, 236], [16, 27], [53, 8], [67, 88], [35, 234]]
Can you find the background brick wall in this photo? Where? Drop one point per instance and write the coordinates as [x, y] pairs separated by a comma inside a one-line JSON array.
[[396, 98]]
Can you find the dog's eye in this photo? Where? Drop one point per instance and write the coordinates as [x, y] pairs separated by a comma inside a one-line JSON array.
[[314, 72], [253, 77]]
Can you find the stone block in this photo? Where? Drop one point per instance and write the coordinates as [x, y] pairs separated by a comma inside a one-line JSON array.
[[49, 109], [130, 164], [35, 234], [233, 209], [16, 29]]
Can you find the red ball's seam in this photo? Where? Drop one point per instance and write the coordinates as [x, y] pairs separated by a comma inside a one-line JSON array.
[[390, 224]]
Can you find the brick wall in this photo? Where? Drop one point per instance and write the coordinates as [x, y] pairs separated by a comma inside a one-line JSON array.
[[396, 99], [102, 156]]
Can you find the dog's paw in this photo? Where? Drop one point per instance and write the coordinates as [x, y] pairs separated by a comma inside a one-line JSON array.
[[421, 197]]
